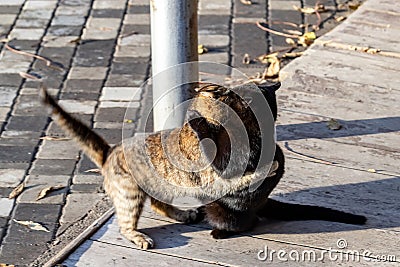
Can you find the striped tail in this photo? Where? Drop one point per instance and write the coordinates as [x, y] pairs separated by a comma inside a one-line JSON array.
[[92, 144]]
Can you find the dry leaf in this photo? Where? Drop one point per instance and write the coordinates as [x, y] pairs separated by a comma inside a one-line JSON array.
[[339, 19], [33, 225], [246, 2], [246, 59], [17, 191], [291, 42], [32, 76], [305, 10], [202, 49], [75, 41], [94, 170], [294, 32], [354, 6], [273, 69], [334, 125], [55, 138], [293, 55], [128, 121], [48, 190], [268, 58], [307, 39], [372, 170]]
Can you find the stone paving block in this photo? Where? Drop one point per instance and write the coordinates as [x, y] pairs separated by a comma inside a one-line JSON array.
[[30, 106], [87, 188], [4, 113], [6, 206], [83, 85], [256, 10], [27, 123], [110, 114], [97, 73], [18, 142], [113, 125], [218, 57], [137, 19], [107, 13], [217, 7], [26, 34], [72, 10], [12, 80], [53, 167], [14, 165], [14, 67], [101, 28], [43, 213], [80, 96], [112, 136], [87, 179], [85, 164], [7, 95], [31, 23], [65, 31], [36, 14], [23, 245], [105, 4], [138, 9], [128, 29], [214, 24], [128, 67], [16, 154], [213, 41], [36, 183], [124, 80], [21, 134], [121, 94], [133, 51], [58, 150], [135, 40], [68, 20], [7, 19], [76, 106], [37, 4], [119, 104], [59, 41], [11, 2], [11, 177], [85, 201]]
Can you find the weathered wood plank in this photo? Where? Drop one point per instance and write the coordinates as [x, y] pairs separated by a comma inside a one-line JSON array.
[[381, 133], [346, 66]]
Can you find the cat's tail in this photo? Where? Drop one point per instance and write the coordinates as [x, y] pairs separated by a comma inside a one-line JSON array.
[[92, 144], [290, 212]]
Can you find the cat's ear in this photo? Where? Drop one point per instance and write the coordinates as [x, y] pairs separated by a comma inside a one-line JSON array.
[[268, 90]]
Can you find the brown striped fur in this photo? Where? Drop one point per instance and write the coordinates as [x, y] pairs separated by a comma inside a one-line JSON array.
[[141, 162]]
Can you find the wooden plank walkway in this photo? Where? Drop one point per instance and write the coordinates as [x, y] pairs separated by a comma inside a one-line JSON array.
[[361, 91]]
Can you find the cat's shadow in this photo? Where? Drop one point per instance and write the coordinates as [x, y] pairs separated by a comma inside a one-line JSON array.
[[378, 200]]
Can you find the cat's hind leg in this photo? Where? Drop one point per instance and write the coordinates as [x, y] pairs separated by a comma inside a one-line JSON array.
[[185, 216], [128, 199]]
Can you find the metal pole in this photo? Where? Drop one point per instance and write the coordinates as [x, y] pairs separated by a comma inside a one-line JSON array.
[[173, 41]]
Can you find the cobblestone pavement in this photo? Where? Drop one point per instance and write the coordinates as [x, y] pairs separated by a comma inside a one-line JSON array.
[[104, 47]]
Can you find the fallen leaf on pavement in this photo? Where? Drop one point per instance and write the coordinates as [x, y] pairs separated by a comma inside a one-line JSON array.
[[17, 191], [246, 59], [273, 69], [30, 76], [202, 49], [94, 171], [334, 125], [55, 138], [48, 190], [307, 39], [246, 2], [33, 225]]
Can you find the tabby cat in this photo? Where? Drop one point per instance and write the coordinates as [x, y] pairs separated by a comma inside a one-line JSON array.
[[139, 167]]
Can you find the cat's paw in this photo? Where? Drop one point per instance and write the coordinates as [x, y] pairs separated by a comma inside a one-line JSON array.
[[191, 216], [221, 234], [141, 240]]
